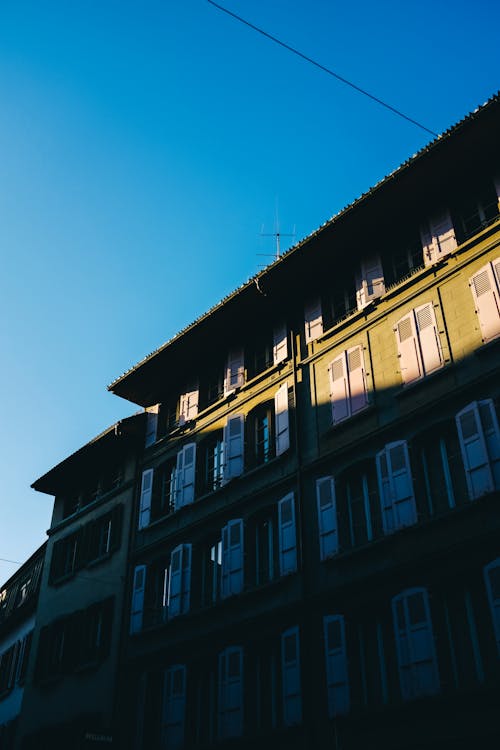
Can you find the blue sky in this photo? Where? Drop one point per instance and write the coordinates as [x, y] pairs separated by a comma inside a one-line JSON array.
[[142, 148]]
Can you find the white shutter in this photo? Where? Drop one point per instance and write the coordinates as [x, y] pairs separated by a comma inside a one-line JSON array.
[[232, 558], [174, 707], [179, 580], [370, 282], [188, 406], [280, 344], [430, 345], [313, 320], [290, 674], [137, 608], [287, 535], [337, 676], [418, 674], [233, 446], [396, 487], [438, 238], [185, 476], [235, 371], [339, 389], [479, 436], [230, 708], [146, 495], [408, 350], [492, 579], [281, 420], [485, 291], [357, 379], [327, 517], [151, 425]]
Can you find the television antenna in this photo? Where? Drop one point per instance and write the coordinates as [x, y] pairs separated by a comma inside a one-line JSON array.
[[277, 234]]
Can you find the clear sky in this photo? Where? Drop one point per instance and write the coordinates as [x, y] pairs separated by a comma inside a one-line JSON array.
[[144, 145]]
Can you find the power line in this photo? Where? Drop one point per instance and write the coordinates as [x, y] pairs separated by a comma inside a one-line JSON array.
[[322, 67], [13, 562]]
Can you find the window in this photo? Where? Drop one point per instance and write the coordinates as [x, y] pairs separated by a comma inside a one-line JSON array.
[[337, 675], [485, 287], [438, 237], [348, 384], [65, 558], [232, 558], [419, 346], [492, 579], [173, 707], [185, 476], [396, 487], [155, 607], [327, 517], [230, 704], [477, 211], [137, 608], [341, 303], [442, 469], [24, 655], [290, 677], [211, 582], [234, 376], [266, 560], [313, 318], [103, 534], [145, 499], [234, 446], [479, 436], [266, 674], [163, 490], [359, 495], [369, 281], [211, 468], [280, 343], [96, 630], [151, 425], [180, 580], [403, 260], [8, 665], [260, 431], [188, 404], [259, 354], [418, 674], [287, 535]]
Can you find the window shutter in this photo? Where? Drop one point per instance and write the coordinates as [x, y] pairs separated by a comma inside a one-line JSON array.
[[188, 406], [232, 558], [370, 281], [408, 351], [179, 580], [185, 476], [337, 676], [230, 713], [357, 379], [280, 344], [287, 535], [438, 238], [174, 707], [485, 291], [233, 446], [290, 671], [396, 487], [327, 517], [492, 579], [418, 674], [146, 495], [474, 449], [491, 432], [281, 420], [235, 371], [151, 425], [138, 589], [313, 320], [430, 345], [339, 389]]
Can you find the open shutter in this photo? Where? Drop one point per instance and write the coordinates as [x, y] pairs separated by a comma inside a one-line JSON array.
[[370, 281], [492, 579], [491, 433], [137, 608], [337, 676], [185, 476], [281, 420], [357, 379], [235, 371], [280, 344], [287, 535], [146, 495], [188, 406], [327, 517], [430, 345], [290, 673], [438, 238], [151, 425], [233, 446], [339, 389], [230, 713], [232, 558], [313, 320], [396, 487], [179, 580], [485, 291], [408, 350], [474, 450], [174, 707]]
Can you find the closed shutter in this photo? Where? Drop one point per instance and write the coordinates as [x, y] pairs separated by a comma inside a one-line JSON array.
[[357, 379], [485, 291], [281, 420], [179, 580], [327, 517], [185, 476], [438, 239], [151, 425], [418, 674], [233, 447], [137, 608], [408, 350], [235, 371], [287, 535], [337, 676], [492, 579], [232, 558], [396, 487], [430, 345], [370, 281], [280, 344], [290, 677], [230, 708], [188, 406], [339, 389], [313, 320], [146, 495], [478, 471], [174, 708]]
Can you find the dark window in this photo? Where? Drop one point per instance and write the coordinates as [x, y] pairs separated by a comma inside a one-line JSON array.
[[8, 662], [211, 578], [443, 474], [211, 387], [266, 562], [65, 557], [339, 303], [71, 503], [167, 417], [24, 657], [476, 211], [402, 260], [162, 501], [359, 506], [261, 434], [211, 463], [259, 355], [156, 594]]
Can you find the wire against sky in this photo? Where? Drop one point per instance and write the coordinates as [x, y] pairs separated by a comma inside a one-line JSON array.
[[322, 67]]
